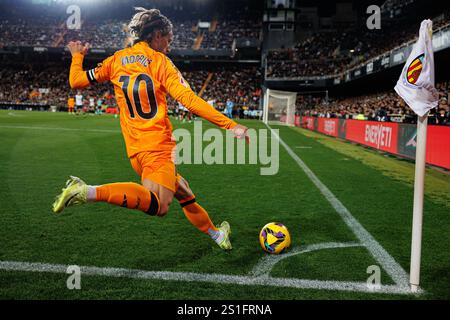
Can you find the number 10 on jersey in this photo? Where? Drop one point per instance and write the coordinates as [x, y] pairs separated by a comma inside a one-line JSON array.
[[136, 106]]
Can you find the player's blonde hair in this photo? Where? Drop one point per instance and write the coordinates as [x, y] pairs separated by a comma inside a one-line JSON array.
[[146, 22]]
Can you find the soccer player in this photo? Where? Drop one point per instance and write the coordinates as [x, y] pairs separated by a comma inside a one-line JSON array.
[[142, 75], [79, 102], [98, 109], [229, 108], [70, 105], [91, 104]]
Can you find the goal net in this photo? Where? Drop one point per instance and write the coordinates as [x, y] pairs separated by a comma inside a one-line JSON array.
[[279, 107]]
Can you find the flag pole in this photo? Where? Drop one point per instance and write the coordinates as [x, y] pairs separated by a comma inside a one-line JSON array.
[[419, 180]]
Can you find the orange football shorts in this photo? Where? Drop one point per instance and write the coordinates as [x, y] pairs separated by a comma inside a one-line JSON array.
[[157, 166]]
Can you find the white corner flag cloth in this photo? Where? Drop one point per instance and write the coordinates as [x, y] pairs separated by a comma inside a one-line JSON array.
[[416, 83]]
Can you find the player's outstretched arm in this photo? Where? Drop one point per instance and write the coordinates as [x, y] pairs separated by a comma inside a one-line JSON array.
[[80, 78], [180, 91], [203, 109], [77, 77]]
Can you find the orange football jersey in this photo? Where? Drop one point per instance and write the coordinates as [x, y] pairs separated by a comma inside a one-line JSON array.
[[71, 102], [142, 77]]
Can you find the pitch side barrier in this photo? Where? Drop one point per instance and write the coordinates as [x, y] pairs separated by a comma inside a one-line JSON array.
[[392, 137], [24, 106]]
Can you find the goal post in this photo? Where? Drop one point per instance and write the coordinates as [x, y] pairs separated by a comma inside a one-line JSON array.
[[279, 107]]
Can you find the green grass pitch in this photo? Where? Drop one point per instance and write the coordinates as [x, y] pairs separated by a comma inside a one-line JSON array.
[[40, 150]]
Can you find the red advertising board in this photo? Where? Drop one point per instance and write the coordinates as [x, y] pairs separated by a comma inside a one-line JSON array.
[[396, 138], [308, 123], [328, 126], [438, 146], [378, 135]]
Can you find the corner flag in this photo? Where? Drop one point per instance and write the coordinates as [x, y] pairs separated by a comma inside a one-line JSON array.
[[416, 87], [416, 83]]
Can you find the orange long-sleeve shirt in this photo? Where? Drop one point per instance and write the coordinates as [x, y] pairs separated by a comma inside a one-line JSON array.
[[71, 102], [142, 77]]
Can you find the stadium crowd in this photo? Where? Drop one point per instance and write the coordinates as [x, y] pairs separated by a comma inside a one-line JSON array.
[[51, 32], [226, 31], [332, 52], [240, 86], [386, 106], [30, 85]]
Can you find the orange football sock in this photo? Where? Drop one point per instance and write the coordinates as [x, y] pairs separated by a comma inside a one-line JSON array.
[[129, 195], [197, 215]]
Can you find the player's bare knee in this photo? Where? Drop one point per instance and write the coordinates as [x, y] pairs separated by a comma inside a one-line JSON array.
[[163, 209], [165, 199], [183, 191], [184, 182]]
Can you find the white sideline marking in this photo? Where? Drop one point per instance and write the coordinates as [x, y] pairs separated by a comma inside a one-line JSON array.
[[61, 129], [394, 270], [303, 147], [266, 264], [12, 114], [204, 277]]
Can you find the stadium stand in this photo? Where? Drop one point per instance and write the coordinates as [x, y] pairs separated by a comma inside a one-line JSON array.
[[332, 52], [321, 53], [31, 85], [51, 32], [223, 34], [46, 85], [49, 86]]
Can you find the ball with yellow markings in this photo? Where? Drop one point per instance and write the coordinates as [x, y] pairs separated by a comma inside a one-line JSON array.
[[274, 238]]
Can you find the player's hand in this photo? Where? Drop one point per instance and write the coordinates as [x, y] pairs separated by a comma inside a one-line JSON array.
[[78, 47], [240, 132]]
